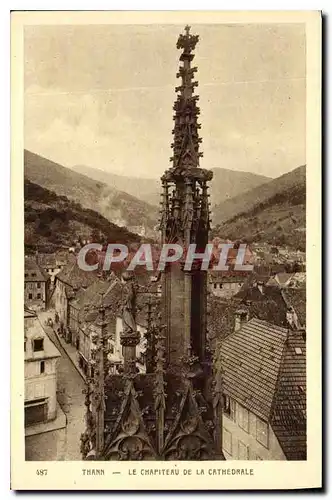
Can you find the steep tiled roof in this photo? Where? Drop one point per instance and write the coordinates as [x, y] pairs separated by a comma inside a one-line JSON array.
[[288, 418], [270, 303], [265, 303], [75, 277], [296, 297], [264, 373], [250, 359], [89, 300], [46, 260], [221, 314], [33, 272]]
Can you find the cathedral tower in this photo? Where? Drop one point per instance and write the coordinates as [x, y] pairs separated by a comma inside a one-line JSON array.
[[185, 220], [174, 410]]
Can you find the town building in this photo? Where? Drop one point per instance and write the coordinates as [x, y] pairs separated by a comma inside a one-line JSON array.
[[226, 284], [283, 307], [36, 285], [264, 386], [53, 263], [174, 410], [288, 280], [40, 372], [84, 324], [68, 283]]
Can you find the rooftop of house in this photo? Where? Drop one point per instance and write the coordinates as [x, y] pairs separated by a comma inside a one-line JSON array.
[[264, 369], [73, 276], [109, 294], [296, 298], [289, 280], [100, 292], [269, 302], [220, 320], [227, 276], [29, 313], [47, 260], [33, 330], [33, 272]]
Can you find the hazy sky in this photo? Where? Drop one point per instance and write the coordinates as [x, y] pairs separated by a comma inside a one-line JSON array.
[[102, 96]]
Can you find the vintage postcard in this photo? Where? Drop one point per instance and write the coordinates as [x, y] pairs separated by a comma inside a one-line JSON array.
[[166, 246]]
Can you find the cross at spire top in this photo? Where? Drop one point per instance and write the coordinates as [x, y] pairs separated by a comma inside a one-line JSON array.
[[187, 29]]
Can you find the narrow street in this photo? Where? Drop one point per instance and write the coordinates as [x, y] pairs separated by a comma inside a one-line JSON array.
[[62, 444]]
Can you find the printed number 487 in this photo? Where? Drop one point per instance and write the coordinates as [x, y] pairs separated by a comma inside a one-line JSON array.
[[41, 472]]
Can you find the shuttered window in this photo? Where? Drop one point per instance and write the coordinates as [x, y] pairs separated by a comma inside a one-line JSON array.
[[262, 432], [243, 416], [243, 451], [227, 441]]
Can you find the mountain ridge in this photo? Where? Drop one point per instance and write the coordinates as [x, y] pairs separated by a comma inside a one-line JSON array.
[[226, 183], [52, 222], [247, 200], [274, 213], [118, 207]]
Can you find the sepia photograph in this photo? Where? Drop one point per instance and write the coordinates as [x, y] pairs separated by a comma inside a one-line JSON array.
[[165, 175]]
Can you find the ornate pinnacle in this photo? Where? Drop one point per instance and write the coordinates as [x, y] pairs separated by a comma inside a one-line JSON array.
[[217, 390], [187, 42], [159, 387], [186, 140]]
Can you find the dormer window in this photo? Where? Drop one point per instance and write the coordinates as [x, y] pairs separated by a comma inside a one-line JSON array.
[[38, 345]]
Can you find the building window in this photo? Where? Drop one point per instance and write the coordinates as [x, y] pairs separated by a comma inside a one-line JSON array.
[[227, 441], [38, 285], [220, 285], [215, 285], [30, 296], [33, 275], [229, 408], [243, 451], [25, 345], [38, 345], [38, 296], [243, 418], [262, 432], [42, 367]]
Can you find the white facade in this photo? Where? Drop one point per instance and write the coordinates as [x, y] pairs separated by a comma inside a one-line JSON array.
[[225, 289], [40, 361], [61, 302], [248, 437]]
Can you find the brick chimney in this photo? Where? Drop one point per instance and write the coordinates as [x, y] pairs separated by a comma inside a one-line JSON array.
[[292, 318], [260, 286], [241, 317]]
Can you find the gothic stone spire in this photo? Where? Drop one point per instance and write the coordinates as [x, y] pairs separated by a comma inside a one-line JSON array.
[[186, 139]]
